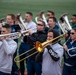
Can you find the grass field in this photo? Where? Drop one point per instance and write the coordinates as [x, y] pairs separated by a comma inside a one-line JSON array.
[[17, 6]]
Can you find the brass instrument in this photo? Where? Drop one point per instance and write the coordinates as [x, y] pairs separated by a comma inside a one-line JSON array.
[[64, 23], [65, 27], [15, 59], [21, 22], [2, 21], [73, 49], [15, 35], [39, 46], [41, 16]]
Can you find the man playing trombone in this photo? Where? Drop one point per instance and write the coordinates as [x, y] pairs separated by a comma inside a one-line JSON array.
[[51, 55]]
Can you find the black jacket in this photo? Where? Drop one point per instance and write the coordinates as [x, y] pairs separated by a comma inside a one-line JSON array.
[[37, 36]]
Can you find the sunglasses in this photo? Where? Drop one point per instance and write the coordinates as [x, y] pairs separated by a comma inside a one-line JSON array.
[[72, 33], [40, 25]]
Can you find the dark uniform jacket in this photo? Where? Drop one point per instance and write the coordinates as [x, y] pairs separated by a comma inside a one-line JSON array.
[[38, 36], [70, 59]]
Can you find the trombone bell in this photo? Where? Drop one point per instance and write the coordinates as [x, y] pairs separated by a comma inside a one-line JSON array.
[[39, 47]]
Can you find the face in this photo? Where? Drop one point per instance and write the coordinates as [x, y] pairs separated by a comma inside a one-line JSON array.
[[50, 36], [4, 31], [9, 20], [49, 15], [51, 23], [40, 26], [73, 19], [28, 17], [73, 35]]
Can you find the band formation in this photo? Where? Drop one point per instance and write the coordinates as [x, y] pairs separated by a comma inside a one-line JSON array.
[[38, 46]]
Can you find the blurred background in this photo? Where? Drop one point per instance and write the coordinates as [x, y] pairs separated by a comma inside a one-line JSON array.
[[35, 6]]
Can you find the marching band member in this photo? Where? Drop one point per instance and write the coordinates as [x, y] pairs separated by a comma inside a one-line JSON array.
[[7, 50], [50, 14], [52, 24], [24, 46], [73, 19], [32, 66], [70, 54], [10, 19], [51, 56]]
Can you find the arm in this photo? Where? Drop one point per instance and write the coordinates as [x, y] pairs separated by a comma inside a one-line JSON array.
[[52, 53], [9, 47]]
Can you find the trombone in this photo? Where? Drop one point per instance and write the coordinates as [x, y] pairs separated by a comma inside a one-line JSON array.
[[39, 46]]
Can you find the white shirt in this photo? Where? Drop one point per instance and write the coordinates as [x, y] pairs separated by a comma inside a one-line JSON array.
[[7, 49], [31, 25], [49, 66]]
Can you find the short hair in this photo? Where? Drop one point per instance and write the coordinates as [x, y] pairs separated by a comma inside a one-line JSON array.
[[42, 22], [55, 34], [12, 16], [30, 13], [54, 19], [51, 12], [7, 26]]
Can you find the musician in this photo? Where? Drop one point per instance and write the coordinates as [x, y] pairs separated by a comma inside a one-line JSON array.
[[10, 19], [24, 46], [7, 50], [70, 55], [51, 56], [52, 24], [50, 14], [32, 66], [73, 23]]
